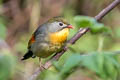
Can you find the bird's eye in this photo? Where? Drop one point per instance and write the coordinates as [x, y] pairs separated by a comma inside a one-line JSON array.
[[61, 24]]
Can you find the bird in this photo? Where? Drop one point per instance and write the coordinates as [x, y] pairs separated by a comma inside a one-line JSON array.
[[48, 38]]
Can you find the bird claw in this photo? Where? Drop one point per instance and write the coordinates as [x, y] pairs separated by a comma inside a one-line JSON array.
[[42, 67]]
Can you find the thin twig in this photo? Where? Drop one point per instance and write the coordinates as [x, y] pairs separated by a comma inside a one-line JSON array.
[[80, 33]]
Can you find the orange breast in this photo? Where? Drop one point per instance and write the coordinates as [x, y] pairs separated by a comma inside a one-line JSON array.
[[59, 37]]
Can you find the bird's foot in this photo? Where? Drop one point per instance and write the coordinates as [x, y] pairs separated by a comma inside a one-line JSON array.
[[42, 67]]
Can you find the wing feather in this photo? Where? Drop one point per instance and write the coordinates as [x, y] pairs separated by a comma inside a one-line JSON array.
[[31, 41]]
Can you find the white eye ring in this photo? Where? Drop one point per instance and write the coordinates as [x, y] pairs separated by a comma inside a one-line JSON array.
[[61, 24]]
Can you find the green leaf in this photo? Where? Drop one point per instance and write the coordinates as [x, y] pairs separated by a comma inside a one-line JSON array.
[[94, 62], [104, 64], [95, 27], [111, 66], [98, 27], [73, 61], [84, 21]]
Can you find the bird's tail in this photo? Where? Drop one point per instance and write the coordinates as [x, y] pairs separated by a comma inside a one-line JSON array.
[[28, 55]]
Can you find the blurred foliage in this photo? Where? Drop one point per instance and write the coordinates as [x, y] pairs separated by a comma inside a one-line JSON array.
[[7, 60], [95, 27], [117, 32], [104, 64], [2, 28], [7, 65], [95, 56]]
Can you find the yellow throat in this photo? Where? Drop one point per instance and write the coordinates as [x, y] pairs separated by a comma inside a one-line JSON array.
[[59, 37]]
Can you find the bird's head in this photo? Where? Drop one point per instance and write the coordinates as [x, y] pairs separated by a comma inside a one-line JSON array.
[[57, 24], [58, 29]]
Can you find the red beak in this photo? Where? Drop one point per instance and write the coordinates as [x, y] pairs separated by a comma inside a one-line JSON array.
[[70, 26]]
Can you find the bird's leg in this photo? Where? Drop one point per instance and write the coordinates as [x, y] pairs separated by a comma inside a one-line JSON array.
[[41, 65]]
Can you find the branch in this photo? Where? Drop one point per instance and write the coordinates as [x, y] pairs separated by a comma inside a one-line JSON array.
[[79, 34]]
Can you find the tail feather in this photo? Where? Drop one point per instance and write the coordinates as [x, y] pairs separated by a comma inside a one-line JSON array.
[[27, 55]]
